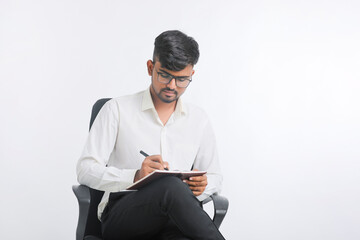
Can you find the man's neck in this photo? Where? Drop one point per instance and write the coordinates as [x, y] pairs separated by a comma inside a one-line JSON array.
[[161, 106], [164, 110]]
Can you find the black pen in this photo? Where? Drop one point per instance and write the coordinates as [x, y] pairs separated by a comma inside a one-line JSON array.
[[146, 155]]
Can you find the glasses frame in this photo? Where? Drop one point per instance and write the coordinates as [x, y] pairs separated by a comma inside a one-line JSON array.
[[173, 77]]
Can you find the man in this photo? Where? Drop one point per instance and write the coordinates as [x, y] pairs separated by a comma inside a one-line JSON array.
[[176, 136]]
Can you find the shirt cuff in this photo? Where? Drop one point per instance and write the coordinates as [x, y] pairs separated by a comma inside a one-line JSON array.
[[127, 178], [202, 197]]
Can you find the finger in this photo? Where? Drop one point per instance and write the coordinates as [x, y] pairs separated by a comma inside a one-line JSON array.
[[151, 164], [198, 178], [197, 193], [197, 188], [166, 165], [155, 165], [192, 183], [157, 158]]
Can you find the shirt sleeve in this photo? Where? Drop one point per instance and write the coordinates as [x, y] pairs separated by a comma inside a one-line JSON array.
[[207, 159], [92, 169]]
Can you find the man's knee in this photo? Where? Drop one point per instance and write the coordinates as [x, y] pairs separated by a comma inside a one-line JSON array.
[[172, 185]]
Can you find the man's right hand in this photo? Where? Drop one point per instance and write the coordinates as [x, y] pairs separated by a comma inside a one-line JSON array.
[[150, 164]]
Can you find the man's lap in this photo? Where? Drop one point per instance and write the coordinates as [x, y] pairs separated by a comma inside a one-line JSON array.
[[139, 214]]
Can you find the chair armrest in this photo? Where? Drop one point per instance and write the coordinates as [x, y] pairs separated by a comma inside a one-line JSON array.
[[221, 205], [82, 194]]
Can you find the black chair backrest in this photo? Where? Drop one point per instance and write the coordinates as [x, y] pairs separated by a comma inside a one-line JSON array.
[[96, 109], [93, 225]]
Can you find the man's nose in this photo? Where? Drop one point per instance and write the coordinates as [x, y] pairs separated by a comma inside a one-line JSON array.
[[172, 84]]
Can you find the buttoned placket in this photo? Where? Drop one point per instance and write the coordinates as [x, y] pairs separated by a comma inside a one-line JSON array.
[[164, 150], [165, 153]]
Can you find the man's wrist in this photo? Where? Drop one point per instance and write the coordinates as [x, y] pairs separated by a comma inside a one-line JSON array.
[[137, 174]]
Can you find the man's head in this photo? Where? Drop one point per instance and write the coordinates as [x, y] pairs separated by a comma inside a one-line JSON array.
[[175, 50], [175, 55]]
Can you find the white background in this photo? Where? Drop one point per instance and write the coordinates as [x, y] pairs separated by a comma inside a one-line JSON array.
[[279, 79]]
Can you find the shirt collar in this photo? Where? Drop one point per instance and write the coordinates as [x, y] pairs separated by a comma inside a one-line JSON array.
[[147, 103]]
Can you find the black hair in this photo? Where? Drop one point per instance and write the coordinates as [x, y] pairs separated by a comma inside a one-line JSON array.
[[175, 50]]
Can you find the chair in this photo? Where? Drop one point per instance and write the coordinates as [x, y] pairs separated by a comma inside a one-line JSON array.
[[89, 226]]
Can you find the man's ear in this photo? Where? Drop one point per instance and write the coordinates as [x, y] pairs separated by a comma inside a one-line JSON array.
[[150, 67], [193, 71]]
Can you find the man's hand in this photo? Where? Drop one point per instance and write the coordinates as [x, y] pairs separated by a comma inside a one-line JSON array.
[[150, 164], [197, 184]]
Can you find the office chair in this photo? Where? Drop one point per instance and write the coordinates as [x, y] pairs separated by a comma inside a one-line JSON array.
[[89, 226]]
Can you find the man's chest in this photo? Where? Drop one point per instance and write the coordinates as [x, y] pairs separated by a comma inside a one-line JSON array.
[[177, 142]]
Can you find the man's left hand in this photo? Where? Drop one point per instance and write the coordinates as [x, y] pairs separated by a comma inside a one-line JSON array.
[[197, 184]]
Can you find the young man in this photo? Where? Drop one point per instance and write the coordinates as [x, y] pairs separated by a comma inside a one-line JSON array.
[[175, 135]]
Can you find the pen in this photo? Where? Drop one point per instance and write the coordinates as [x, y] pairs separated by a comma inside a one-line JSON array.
[[146, 155]]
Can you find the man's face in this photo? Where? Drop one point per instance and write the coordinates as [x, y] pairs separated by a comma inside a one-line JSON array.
[[169, 92]]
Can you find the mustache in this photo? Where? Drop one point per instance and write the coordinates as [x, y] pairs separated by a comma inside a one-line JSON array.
[[168, 89]]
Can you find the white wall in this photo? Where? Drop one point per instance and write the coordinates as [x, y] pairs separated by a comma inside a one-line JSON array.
[[279, 79]]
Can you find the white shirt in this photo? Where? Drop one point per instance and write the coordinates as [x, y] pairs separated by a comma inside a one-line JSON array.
[[128, 124]]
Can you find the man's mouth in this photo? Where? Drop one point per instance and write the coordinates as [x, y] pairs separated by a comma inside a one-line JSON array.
[[169, 92]]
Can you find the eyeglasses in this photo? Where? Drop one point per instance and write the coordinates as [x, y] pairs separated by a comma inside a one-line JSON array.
[[181, 82]]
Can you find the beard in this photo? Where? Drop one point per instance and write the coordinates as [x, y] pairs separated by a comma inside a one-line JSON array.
[[164, 97]]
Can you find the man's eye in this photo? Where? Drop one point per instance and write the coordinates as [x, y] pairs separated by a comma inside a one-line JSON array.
[[164, 75], [183, 79]]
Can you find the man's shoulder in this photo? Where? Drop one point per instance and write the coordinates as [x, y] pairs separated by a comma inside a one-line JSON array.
[[128, 98], [125, 102]]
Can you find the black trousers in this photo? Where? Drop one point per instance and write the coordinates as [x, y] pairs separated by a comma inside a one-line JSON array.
[[164, 209]]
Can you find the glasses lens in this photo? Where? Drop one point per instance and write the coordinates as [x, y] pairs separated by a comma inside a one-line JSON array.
[[163, 79], [182, 83]]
